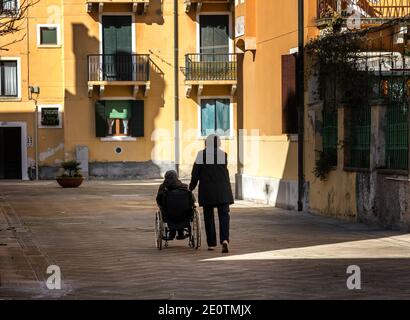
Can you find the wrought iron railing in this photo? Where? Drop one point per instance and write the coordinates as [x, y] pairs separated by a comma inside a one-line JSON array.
[[358, 140], [118, 67], [211, 67], [381, 9], [8, 6]]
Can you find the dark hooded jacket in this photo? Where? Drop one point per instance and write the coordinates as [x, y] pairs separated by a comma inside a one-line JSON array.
[[211, 172], [171, 182]]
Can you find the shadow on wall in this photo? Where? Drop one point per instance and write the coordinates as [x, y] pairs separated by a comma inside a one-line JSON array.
[[80, 112], [155, 14], [281, 191]]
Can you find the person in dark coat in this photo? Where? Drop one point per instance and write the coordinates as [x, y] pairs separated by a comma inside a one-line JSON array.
[[211, 172], [171, 182]]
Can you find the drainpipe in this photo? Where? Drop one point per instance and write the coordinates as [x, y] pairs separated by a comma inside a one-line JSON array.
[[176, 84], [36, 136], [301, 101]]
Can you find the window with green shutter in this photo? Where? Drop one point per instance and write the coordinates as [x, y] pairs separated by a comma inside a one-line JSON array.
[[117, 47], [115, 118], [215, 117]]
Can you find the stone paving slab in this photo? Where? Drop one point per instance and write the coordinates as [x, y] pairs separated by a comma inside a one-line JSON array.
[[101, 235]]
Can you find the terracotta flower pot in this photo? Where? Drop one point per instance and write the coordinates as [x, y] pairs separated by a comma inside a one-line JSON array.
[[70, 182]]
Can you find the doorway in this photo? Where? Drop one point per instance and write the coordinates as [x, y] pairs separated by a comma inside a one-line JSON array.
[[10, 153]]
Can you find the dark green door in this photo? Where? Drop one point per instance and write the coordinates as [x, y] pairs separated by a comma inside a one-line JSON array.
[[10, 153], [117, 47], [214, 36]]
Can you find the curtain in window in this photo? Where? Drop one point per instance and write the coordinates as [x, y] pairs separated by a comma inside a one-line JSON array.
[[9, 78], [207, 117], [222, 117], [215, 117]]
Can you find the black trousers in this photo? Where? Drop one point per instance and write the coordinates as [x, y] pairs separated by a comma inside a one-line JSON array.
[[224, 219]]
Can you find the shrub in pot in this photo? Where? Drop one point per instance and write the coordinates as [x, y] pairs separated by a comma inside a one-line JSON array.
[[71, 178]]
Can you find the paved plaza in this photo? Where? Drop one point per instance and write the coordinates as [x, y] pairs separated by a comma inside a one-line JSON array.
[[101, 235]]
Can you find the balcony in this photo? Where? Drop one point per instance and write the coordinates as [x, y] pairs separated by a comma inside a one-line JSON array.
[[136, 6], [371, 12], [210, 69], [197, 4], [118, 70]]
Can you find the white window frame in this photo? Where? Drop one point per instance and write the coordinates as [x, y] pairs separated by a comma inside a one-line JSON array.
[[18, 98], [58, 30], [60, 115], [231, 122], [198, 29]]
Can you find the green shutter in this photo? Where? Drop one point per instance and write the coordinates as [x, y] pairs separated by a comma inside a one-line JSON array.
[[117, 34], [117, 45], [100, 120], [137, 119], [214, 34]]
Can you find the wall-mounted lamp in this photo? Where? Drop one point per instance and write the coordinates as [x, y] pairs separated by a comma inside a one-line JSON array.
[[34, 89]]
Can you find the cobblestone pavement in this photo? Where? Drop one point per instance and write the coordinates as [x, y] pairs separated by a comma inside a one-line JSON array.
[[101, 236]]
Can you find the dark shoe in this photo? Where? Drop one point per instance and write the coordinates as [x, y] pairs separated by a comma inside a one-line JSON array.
[[225, 247], [181, 237]]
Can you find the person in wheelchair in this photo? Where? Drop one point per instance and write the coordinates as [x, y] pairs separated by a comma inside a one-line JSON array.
[[176, 203]]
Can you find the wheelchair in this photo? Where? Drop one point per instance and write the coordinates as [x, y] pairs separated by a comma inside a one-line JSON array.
[[178, 214]]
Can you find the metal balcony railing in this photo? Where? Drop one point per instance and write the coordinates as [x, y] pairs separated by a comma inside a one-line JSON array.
[[205, 67], [8, 7], [380, 9], [118, 67]]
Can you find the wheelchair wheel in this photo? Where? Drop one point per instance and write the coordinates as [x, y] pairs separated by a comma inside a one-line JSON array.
[[159, 230], [195, 237]]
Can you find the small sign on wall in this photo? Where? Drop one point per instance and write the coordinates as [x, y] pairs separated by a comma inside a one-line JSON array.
[[239, 26]]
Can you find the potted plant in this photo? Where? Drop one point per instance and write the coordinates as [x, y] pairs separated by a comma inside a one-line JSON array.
[[71, 178]]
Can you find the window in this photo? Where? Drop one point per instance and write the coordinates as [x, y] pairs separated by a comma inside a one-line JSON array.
[[215, 117], [330, 120], [8, 6], [214, 35], [289, 97], [48, 35], [50, 116], [119, 118], [8, 78]]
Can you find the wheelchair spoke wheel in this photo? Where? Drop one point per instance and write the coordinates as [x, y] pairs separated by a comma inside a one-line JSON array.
[[195, 239], [159, 230]]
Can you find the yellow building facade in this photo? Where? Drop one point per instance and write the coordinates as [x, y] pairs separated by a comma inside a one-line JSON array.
[[363, 146], [102, 75], [267, 36]]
